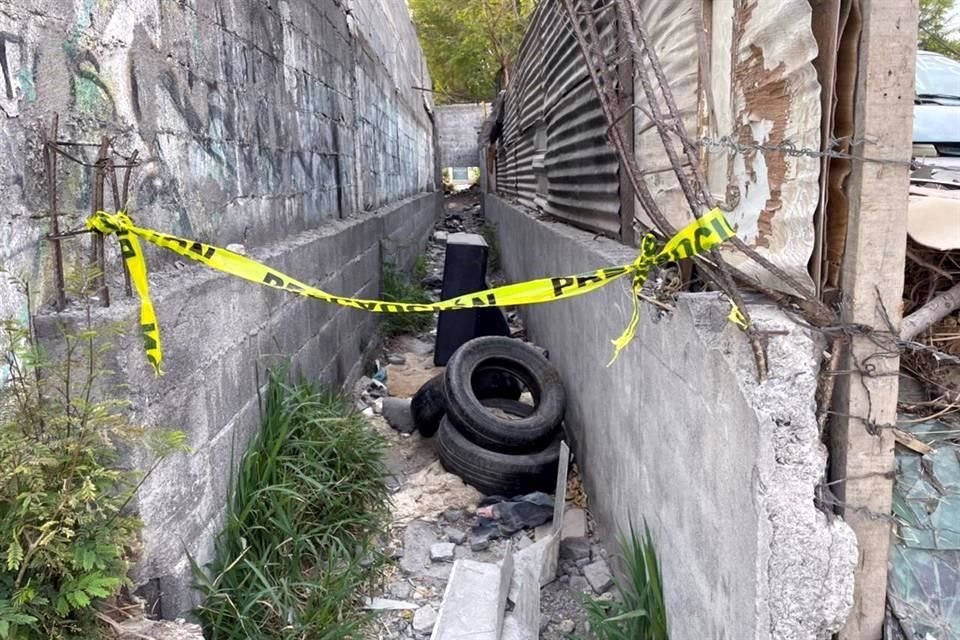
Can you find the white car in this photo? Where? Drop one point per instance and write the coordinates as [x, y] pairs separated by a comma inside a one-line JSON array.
[[936, 119]]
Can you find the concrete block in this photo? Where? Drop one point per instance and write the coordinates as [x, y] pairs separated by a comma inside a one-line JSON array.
[[417, 541], [560, 492], [396, 411], [442, 552], [574, 549], [456, 536], [473, 603], [574, 524], [424, 619], [599, 576], [540, 559], [523, 622]]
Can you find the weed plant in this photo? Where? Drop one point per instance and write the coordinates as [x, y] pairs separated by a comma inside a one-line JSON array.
[[398, 288], [638, 611], [307, 506], [66, 534]]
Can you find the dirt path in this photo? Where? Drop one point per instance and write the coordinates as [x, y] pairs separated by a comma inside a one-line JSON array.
[[432, 507]]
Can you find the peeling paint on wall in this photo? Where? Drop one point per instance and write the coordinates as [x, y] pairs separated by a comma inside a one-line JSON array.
[[767, 93]]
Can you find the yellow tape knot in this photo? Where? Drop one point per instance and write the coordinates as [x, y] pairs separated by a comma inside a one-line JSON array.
[[108, 223]]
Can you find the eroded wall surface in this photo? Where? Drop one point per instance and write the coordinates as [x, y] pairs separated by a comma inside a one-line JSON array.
[[253, 119], [679, 432], [458, 126], [292, 127]]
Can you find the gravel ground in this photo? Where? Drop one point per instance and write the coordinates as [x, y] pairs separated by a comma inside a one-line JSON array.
[[433, 508]]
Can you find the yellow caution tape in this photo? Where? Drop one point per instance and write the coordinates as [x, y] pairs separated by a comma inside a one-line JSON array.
[[696, 238], [736, 317]]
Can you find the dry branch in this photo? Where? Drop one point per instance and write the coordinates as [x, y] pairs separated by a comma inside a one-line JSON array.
[[930, 313]]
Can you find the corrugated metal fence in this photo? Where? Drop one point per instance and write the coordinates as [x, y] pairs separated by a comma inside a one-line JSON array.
[[553, 154]]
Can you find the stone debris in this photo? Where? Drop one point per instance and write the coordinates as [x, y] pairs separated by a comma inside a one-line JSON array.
[[456, 536], [417, 541], [385, 604], [424, 619], [574, 524], [599, 576], [432, 282], [452, 515], [434, 534], [442, 552], [575, 549], [396, 411], [401, 589], [432, 491], [158, 630]]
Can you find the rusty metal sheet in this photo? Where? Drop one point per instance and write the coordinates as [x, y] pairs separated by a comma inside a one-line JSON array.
[[554, 154], [767, 93], [582, 169], [673, 32], [742, 71]]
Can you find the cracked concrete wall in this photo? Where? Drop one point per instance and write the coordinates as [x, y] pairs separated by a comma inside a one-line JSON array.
[[458, 126], [292, 127], [679, 432]]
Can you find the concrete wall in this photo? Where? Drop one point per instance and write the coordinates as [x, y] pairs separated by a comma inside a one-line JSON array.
[[253, 119], [458, 126], [290, 126], [679, 432], [218, 332]]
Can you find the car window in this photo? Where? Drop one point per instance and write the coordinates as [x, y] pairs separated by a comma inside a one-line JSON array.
[[937, 75]]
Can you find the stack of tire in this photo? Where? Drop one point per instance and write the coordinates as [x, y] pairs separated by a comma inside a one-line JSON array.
[[485, 434]]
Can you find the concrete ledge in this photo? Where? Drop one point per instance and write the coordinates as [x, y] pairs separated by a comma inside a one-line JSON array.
[[678, 432], [217, 331]]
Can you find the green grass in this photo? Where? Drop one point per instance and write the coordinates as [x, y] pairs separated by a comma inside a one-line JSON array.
[[306, 508], [395, 287], [638, 612]]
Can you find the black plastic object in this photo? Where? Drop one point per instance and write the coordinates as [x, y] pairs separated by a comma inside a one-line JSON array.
[[496, 473], [517, 359], [428, 406], [465, 271]]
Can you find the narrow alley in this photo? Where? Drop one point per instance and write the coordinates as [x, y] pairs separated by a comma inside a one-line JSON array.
[[479, 319]]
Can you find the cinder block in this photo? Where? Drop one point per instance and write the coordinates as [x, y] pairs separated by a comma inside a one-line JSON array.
[[473, 603]]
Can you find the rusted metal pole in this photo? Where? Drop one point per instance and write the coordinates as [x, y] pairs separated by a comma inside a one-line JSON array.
[[97, 256], [54, 234]]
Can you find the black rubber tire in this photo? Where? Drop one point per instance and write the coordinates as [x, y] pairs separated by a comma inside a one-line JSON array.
[[429, 403], [428, 406], [494, 473], [466, 411]]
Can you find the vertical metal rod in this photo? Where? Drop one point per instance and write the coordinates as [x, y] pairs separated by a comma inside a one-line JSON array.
[[58, 278], [97, 256], [131, 162]]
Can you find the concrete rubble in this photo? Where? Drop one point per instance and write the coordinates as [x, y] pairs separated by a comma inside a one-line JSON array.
[[508, 585]]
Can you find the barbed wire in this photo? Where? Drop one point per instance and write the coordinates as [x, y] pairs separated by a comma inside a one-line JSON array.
[[789, 148]]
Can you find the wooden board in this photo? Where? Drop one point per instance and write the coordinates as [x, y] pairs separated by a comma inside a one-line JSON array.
[[872, 279]]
